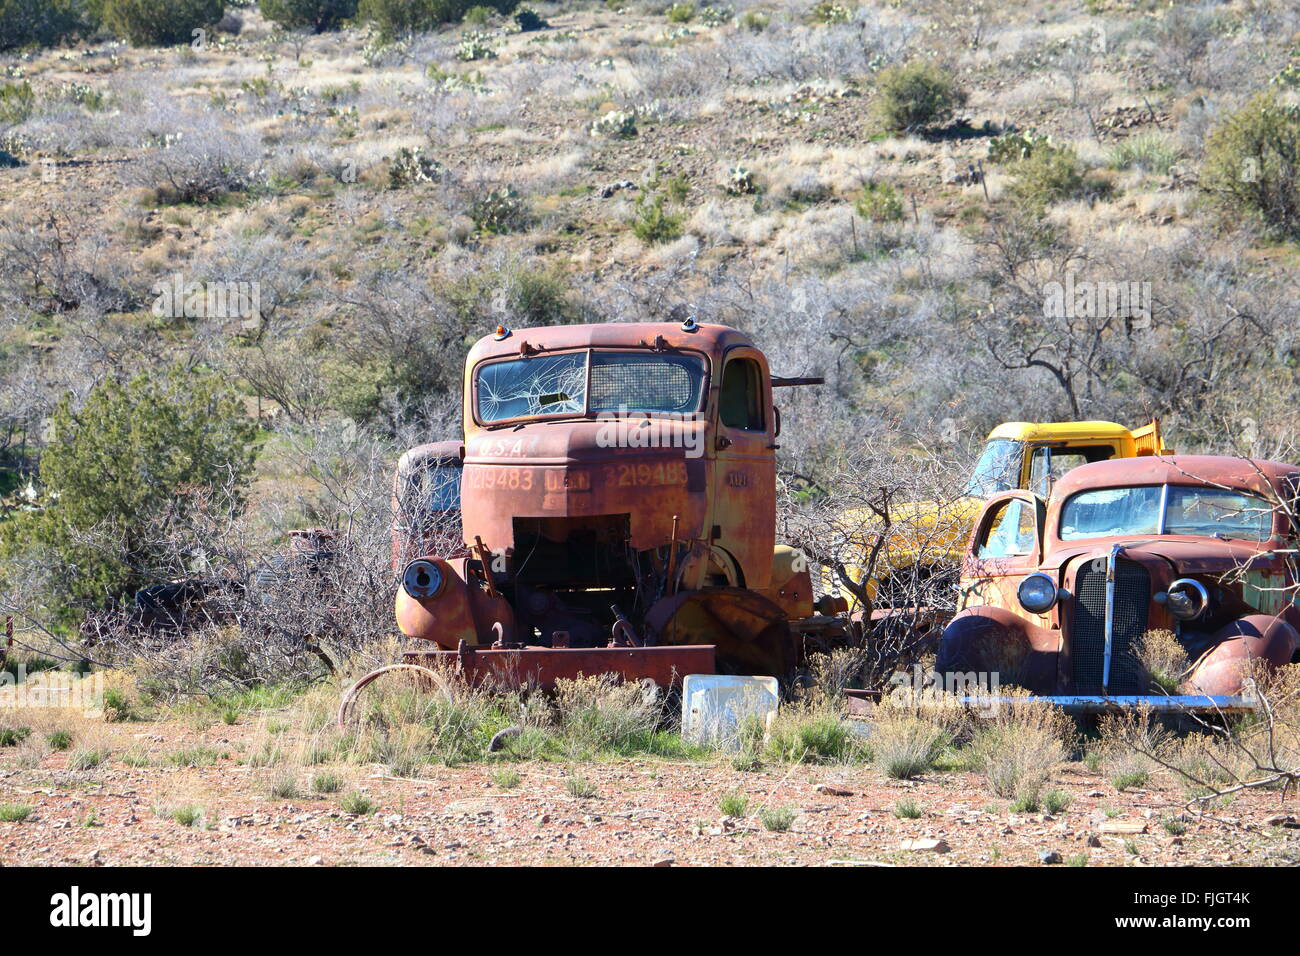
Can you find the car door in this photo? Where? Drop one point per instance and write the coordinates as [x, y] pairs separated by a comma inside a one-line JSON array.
[[744, 466], [1005, 547]]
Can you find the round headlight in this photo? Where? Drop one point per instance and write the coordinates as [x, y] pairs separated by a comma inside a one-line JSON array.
[[1037, 593], [422, 579], [1187, 599]]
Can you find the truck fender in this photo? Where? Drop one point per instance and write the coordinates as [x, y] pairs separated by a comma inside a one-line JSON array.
[[1000, 646]]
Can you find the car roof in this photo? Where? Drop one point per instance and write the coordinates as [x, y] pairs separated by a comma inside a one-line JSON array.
[[1246, 474], [707, 337], [1058, 431]]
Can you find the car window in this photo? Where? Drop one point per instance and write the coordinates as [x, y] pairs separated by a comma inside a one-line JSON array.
[[1047, 465], [1010, 532], [741, 401], [997, 470]]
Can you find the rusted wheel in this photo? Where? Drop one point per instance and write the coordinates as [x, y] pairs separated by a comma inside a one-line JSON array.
[[429, 680]]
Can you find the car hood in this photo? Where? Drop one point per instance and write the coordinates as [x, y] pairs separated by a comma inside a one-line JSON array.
[[1187, 555]]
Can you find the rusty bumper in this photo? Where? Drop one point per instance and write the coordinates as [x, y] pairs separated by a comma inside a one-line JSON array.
[[543, 666]]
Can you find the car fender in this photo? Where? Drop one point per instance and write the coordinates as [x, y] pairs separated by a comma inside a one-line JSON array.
[[1222, 668], [999, 646]]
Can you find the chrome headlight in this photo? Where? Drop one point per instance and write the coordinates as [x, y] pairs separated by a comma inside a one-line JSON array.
[[1037, 593], [422, 579], [1187, 599]]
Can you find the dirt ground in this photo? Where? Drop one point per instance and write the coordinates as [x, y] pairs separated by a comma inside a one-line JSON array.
[[644, 812]]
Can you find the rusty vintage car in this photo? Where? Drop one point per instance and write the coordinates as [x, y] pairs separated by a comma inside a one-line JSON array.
[[618, 507], [1059, 592]]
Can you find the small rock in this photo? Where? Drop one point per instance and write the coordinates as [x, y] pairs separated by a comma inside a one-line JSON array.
[[828, 790], [1049, 856], [666, 861], [1094, 840], [1095, 793], [313, 861], [544, 819], [1281, 820], [925, 846]]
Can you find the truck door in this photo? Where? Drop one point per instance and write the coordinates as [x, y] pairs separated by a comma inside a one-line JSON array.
[[743, 509]]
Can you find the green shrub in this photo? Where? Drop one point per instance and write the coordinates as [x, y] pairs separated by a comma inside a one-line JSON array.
[[117, 706], [1252, 164], [319, 15], [579, 787], [777, 819], [1151, 152], [187, 816], [755, 21], [131, 454], [1129, 779], [284, 786], [1056, 801], [13, 736], [14, 812], [811, 735], [879, 202], [652, 223], [357, 803], [86, 758], [506, 778], [734, 804], [907, 809], [160, 22], [828, 11], [58, 739], [327, 783], [917, 95], [42, 22], [478, 16], [681, 12], [16, 102], [1048, 176], [400, 18]]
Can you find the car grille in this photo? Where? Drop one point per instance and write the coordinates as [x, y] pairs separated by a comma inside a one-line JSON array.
[[1088, 627]]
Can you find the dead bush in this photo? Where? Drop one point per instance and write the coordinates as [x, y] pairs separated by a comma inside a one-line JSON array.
[[1020, 746], [908, 733], [1164, 659]]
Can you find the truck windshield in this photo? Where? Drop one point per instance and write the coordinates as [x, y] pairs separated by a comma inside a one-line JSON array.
[[620, 381], [997, 470], [1188, 510]]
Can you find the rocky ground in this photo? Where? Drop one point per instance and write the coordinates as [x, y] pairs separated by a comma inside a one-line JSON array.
[[644, 812]]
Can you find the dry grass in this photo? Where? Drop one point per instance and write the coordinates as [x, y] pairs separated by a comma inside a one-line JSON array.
[[1020, 746], [908, 733]]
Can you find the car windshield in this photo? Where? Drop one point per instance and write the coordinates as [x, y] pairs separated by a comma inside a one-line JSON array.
[[1188, 510], [641, 382], [997, 470]]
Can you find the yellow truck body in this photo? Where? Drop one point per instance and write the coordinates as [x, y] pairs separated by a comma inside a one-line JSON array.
[[929, 537]]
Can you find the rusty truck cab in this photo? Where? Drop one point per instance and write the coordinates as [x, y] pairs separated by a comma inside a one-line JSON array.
[[610, 469]]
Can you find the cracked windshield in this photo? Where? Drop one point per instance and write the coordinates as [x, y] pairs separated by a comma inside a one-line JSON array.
[[620, 382]]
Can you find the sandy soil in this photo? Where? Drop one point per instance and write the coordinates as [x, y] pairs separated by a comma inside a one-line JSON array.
[[645, 812]]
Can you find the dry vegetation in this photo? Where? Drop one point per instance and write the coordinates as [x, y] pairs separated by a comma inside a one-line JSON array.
[[879, 193]]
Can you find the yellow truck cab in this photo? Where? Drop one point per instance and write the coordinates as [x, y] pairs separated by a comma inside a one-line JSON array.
[[928, 539], [1033, 455]]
